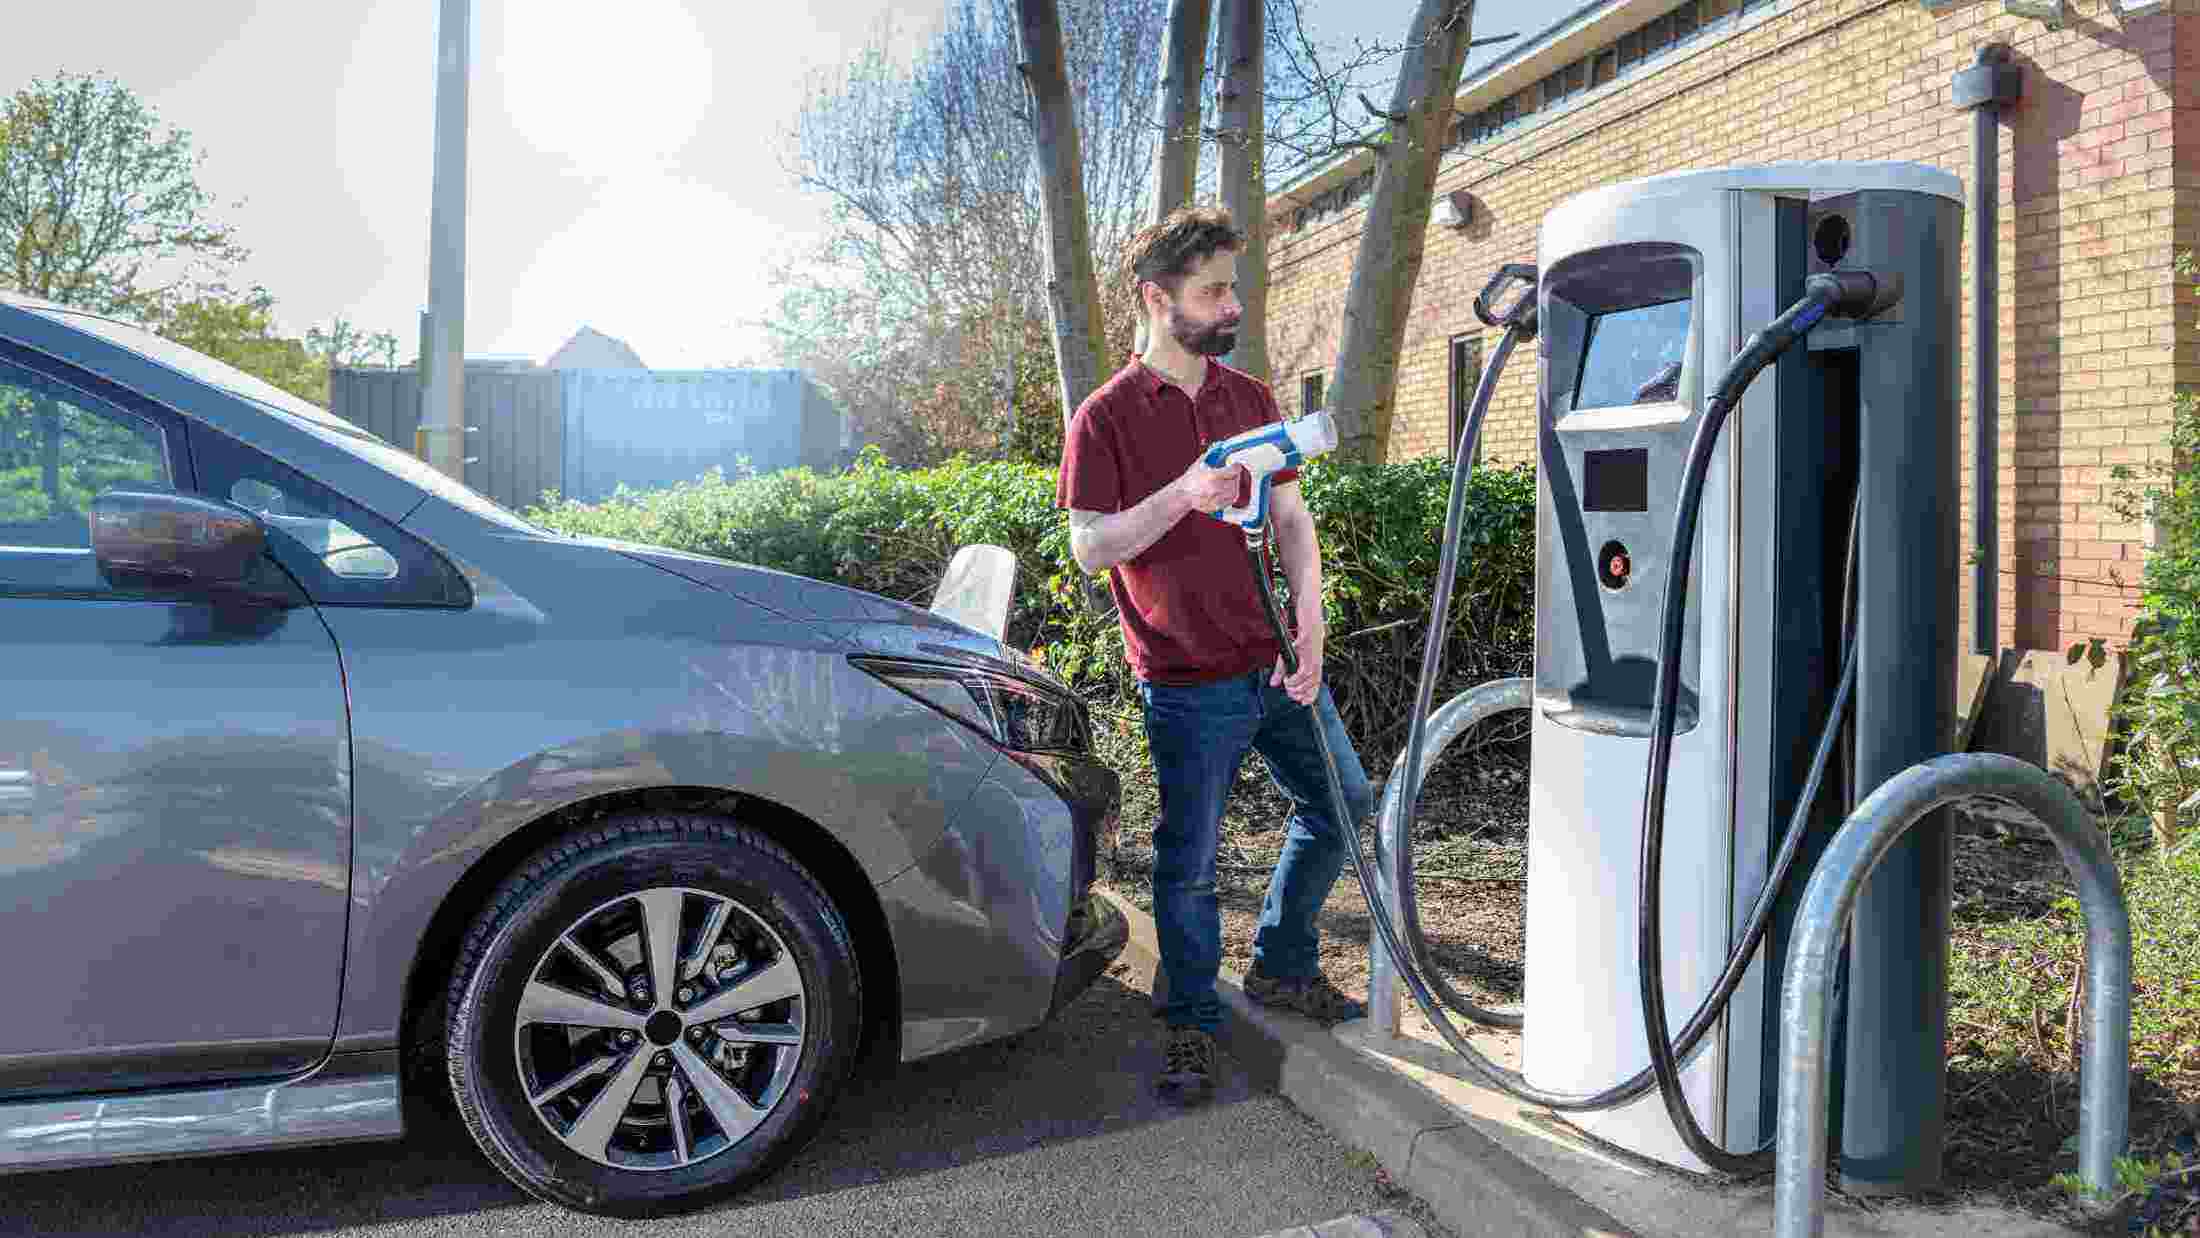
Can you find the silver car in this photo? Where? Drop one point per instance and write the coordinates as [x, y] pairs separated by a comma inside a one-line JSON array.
[[326, 782]]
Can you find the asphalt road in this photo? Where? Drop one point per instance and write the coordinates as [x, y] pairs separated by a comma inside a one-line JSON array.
[[1053, 1133]]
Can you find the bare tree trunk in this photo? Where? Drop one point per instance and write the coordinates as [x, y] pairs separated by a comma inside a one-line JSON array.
[[1363, 392], [1183, 72], [1238, 116], [1072, 293]]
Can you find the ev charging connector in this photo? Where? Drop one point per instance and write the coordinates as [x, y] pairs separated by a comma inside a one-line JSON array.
[[1264, 451]]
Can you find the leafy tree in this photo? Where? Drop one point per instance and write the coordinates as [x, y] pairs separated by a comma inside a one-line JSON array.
[[55, 456], [239, 328], [100, 206], [345, 343]]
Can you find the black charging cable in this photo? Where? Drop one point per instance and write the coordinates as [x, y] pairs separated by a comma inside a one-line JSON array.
[[1850, 294], [1848, 290], [1517, 319]]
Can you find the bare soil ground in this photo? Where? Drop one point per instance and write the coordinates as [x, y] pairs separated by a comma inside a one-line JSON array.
[[2012, 1105]]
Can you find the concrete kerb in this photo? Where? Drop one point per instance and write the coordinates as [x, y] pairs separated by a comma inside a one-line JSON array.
[[1474, 1185], [1488, 1165]]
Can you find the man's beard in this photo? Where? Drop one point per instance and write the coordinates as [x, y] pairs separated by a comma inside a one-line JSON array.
[[1212, 340]]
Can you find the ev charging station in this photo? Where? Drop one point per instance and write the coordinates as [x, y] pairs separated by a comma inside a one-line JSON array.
[[1647, 288]]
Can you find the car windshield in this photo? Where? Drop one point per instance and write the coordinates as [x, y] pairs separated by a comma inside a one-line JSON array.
[[314, 418]]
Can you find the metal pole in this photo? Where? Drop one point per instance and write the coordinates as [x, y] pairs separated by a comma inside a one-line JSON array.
[[1989, 85], [1985, 399], [443, 389], [1829, 902]]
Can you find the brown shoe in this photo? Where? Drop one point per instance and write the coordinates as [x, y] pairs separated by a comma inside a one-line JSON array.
[[1187, 1067], [1315, 998]]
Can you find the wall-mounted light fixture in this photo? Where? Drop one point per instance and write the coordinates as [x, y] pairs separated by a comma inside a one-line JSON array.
[[1455, 210]]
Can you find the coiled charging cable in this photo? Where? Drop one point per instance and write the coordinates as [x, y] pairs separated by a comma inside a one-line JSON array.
[[1847, 293]]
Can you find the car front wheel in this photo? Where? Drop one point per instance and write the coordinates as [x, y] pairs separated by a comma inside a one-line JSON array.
[[651, 1015]]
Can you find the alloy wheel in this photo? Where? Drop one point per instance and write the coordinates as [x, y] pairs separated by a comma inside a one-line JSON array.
[[659, 1029]]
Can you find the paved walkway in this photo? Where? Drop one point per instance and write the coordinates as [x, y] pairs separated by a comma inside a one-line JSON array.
[[1055, 1133]]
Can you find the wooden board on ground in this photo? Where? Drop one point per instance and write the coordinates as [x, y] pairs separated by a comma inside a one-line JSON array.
[[1971, 681], [2043, 708]]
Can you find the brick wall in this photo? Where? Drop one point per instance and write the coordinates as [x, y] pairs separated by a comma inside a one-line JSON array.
[[2095, 332]]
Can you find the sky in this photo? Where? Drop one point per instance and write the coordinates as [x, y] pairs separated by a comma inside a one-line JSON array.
[[625, 174]]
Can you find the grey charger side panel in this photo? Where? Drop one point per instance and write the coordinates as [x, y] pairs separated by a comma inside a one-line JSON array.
[[1908, 399]]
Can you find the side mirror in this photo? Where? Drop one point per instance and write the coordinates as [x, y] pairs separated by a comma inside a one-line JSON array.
[[143, 537], [978, 588]]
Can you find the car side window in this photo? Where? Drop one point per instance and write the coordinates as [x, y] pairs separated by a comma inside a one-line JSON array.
[[341, 553], [60, 447]]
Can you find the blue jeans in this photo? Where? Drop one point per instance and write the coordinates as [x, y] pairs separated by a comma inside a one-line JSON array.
[[1199, 735]]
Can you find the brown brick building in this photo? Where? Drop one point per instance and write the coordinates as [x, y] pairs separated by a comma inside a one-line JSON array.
[[2100, 187]]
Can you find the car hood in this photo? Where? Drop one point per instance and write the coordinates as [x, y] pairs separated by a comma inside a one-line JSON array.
[[865, 622]]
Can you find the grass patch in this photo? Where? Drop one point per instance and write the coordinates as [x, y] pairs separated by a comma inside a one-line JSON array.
[[2015, 1036], [2013, 986]]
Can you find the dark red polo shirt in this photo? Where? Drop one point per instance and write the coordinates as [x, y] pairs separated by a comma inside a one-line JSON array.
[[1189, 606]]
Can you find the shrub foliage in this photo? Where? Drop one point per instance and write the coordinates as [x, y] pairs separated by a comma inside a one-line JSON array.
[[2158, 769], [892, 531]]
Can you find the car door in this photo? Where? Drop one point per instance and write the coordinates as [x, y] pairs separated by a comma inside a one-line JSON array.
[[175, 801]]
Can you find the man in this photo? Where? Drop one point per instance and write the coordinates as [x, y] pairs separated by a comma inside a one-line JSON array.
[[1211, 674]]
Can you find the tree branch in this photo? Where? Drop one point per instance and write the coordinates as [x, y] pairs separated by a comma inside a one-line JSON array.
[[1396, 118]]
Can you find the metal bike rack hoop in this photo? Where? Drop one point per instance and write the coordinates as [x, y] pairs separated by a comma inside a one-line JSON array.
[[2104, 1100], [1459, 715]]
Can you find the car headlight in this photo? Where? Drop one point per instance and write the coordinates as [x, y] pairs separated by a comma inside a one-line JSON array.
[[1015, 713]]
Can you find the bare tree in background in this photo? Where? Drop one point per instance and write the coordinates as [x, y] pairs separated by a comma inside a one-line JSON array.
[[1240, 132], [1288, 103], [1183, 75], [924, 307], [1073, 291], [1407, 151]]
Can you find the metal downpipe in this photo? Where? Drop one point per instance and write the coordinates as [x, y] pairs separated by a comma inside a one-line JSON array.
[[1985, 393], [1990, 85], [1829, 901]]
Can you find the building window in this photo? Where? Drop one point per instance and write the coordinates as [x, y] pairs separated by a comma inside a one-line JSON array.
[[1685, 22], [1637, 48], [1310, 393], [1466, 375]]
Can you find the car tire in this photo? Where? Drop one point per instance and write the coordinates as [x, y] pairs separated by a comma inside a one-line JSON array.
[[647, 1103]]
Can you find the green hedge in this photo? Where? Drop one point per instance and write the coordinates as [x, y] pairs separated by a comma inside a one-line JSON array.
[[891, 531]]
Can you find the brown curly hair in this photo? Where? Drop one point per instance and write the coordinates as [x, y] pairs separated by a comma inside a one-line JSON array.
[[1165, 252]]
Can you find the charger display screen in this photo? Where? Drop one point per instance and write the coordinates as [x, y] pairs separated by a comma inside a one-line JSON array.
[[1616, 480], [1633, 356]]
